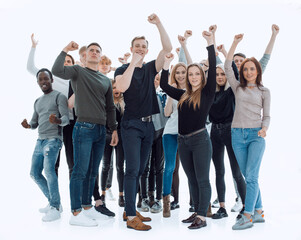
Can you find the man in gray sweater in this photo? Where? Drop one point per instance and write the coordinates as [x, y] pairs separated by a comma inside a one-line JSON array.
[[50, 115], [94, 107]]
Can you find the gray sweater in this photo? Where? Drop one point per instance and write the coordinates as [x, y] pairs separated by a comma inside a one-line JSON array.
[[252, 106], [51, 103], [93, 93]]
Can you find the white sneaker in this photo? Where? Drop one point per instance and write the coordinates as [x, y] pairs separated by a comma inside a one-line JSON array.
[[48, 207], [215, 203], [109, 195], [51, 215], [93, 214], [81, 220], [237, 206]]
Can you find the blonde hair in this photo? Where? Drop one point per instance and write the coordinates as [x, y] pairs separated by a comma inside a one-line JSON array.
[[227, 85], [190, 96]]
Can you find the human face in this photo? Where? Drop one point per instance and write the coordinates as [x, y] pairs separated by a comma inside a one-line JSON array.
[[157, 81], [93, 54], [180, 75], [104, 67], [250, 72], [116, 93], [68, 61], [238, 60], [194, 77], [45, 82], [140, 47], [220, 77]]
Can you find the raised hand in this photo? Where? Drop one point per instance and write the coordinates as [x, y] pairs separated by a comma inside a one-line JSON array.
[[54, 120], [136, 58], [168, 57], [212, 28], [126, 56], [187, 34], [207, 35], [275, 29], [71, 47], [25, 124], [154, 19], [238, 37], [33, 41], [182, 40]]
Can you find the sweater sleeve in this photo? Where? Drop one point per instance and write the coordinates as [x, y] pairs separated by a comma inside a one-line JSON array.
[[211, 79], [264, 61], [169, 90], [111, 110], [64, 72], [230, 75], [218, 60], [266, 109], [35, 118], [63, 110], [31, 68], [182, 57]]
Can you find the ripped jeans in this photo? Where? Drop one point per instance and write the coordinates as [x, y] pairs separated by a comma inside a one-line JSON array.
[[44, 157]]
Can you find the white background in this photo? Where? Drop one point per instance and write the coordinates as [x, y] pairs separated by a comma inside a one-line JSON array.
[[113, 24]]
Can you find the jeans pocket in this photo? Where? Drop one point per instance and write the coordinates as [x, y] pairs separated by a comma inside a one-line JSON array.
[[87, 125]]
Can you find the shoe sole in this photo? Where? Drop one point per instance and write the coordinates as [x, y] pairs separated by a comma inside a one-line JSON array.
[[155, 211], [143, 209], [139, 229], [80, 225], [225, 215], [248, 226]]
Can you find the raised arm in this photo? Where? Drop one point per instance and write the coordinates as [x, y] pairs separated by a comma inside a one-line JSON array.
[[266, 57], [58, 68], [165, 41], [183, 42], [211, 79], [228, 68], [170, 91], [31, 68], [182, 57]]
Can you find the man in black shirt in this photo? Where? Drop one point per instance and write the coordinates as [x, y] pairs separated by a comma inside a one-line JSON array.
[[136, 81]]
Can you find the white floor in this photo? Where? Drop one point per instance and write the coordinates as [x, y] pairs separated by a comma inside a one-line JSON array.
[[21, 199]]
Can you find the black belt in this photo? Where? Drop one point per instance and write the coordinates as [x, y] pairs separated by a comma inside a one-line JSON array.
[[146, 119], [221, 125]]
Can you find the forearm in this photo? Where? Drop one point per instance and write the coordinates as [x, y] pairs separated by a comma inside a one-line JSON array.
[[165, 41], [169, 90], [230, 75], [123, 81], [211, 81], [31, 68], [59, 70], [71, 101], [168, 107], [182, 57], [231, 51], [266, 110], [270, 45], [187, 54]]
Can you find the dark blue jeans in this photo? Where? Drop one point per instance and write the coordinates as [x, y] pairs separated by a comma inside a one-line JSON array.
[[137, 138], [195, 155], [88, 144], [220, 137]]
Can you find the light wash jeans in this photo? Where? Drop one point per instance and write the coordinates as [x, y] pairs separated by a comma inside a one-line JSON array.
[[249, 148], [88, 145], [44, 157]]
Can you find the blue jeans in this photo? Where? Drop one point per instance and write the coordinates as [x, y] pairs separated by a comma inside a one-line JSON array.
[[170, 146], [88, 146], [137, 140], [44, 157], [249, 148]]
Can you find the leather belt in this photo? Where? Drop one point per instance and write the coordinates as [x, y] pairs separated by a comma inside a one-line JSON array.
[[193, 133]]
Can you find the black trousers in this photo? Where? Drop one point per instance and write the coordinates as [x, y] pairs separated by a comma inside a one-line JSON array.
[[195, 156], [152, 177], [220, 137], [176, 180], [67, 139]]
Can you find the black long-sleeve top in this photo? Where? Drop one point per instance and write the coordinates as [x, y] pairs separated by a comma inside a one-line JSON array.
[[222, 109], [191, 120]]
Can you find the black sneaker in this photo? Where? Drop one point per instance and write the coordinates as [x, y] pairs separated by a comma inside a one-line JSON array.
[[221, 213], [240, 213], [103, 210], [174, 205]]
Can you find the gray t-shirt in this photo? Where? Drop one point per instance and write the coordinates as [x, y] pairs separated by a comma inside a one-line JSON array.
[[51, 103]]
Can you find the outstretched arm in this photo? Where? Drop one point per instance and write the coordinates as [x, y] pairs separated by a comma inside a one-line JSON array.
[[165, 41], [31, 68], [183, 42]]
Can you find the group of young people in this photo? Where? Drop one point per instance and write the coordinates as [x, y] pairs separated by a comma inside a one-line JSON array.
[[151, 129]]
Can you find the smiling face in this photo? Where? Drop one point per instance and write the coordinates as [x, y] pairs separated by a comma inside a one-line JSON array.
[[220, 77], [45, 82], [180, 75], [250, 72], [140, 47], [104, 67], [194, 77]]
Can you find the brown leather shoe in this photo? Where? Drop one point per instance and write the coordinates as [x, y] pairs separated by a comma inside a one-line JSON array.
[[209, 212], [143, 219], [197, 223], [136, 224], [166, 206], [190, 219]]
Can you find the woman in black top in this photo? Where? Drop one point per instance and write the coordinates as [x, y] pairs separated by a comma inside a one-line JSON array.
[[194, 143]]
